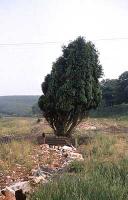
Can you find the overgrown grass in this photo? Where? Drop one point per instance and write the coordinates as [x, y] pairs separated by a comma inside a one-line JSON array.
[[22, 125], [102, 176], [15, 153], [16, 126], [107, 122]]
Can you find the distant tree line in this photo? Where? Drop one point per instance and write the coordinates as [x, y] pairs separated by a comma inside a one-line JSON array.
[[115, 91], [36, 110]]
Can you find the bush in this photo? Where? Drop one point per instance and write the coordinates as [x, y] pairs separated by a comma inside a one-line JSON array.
[[77, 166]]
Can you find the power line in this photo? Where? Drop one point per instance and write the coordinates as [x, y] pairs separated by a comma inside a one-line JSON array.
[[26, 43], [53, 42], [106, 39]]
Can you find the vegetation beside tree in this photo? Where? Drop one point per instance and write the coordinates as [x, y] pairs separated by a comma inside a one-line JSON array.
[[36, 110], [123, 87], [115, 91], [72, 88]]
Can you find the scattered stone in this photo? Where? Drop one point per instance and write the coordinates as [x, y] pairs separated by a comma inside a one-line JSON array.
[[66, 149], [37, 172], [44, 146], [38, 179], [1, 174], [75, 156], [24, 186], [59, 159], [55, 165], [8, 177]]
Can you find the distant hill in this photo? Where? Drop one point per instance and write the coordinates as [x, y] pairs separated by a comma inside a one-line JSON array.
[[22, 106], [17, 105]]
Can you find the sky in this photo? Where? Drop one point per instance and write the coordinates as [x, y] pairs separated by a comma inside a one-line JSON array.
[[32, 33]]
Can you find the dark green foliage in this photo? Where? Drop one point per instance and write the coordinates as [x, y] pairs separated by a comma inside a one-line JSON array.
[[123, 87], [115, 91], [114, 111], [72, 88], [110, 91], [77, 166]]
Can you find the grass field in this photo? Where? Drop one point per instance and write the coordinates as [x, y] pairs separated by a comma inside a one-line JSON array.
[[25, 125], [107, 122], [15, 153], [14, 126], [102, 176], [21, 126]]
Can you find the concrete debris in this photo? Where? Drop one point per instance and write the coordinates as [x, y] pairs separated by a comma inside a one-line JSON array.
[[21, 185], [75, 156], [39, 179], [67, 149], [37, 172]]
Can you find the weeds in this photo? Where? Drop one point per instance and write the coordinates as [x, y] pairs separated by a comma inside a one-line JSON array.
[[16, 153], [77, 166], [102, 176], [15, 126], [103, 183]]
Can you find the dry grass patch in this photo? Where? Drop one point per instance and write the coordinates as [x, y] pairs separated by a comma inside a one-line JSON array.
[[16, 126], [107, 122], [105, 148], [22, 126], [16, 153]]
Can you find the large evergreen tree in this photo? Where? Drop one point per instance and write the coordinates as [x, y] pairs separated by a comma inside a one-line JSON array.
[[72, 88]]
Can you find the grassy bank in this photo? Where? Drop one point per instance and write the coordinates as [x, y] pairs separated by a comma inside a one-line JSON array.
[[102, 176]]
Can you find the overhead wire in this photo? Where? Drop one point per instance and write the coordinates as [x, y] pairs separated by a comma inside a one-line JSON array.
[[54, 42]]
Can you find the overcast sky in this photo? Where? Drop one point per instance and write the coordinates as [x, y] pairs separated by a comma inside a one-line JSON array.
[[34, 24]]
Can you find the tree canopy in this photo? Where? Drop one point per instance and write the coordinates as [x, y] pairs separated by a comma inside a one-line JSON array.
[[109, 91], [115, 91], [72, 88], [123, 87]]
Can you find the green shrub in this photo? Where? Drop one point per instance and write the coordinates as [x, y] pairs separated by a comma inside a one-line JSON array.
[[77, 166]]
